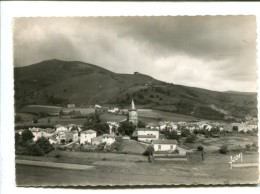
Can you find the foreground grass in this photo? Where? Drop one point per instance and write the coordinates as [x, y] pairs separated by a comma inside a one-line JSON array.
[[118, 169]]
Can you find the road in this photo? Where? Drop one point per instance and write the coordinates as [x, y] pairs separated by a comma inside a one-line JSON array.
[[54, 165]]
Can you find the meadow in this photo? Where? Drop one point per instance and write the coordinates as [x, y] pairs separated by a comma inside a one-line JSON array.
[[125, 169]]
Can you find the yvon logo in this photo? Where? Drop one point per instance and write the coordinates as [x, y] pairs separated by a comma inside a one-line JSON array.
[[235, 159]]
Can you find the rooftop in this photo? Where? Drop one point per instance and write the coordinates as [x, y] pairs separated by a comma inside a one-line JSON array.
[[146, 136], [166, 141], [88, 131], [146, 129]]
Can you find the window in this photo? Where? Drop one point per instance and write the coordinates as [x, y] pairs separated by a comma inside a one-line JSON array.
[[171, 147], [159, 147]]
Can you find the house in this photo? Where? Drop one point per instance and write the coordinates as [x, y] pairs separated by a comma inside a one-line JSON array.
[[72, 136], [60, 128], [227, 128], [86, 136], [165, 145], [108, 139], [172, 126], [145, 134], [152, 126], [48, 132], [192, 127], [97, 106], [37, 133], [53, 140], [162, 125], [114, 110], [96, 140], [74, 127], [113, 126], [71, 106]]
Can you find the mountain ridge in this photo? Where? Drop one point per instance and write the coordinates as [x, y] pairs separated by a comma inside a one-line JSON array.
[[56, 82]]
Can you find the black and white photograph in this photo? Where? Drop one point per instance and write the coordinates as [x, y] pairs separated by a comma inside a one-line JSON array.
[[137, 100]]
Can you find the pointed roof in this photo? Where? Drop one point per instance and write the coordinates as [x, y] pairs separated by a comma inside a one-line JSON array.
[[132, 107]]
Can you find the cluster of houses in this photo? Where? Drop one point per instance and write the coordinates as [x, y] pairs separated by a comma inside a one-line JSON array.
[[62, 134]]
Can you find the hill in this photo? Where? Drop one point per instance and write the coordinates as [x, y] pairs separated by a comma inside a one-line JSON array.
[[58, 83]]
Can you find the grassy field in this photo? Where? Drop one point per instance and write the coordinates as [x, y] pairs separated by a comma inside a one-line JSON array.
[[163, 116], [112, 117], [40, 108], [233, 141], [125, 169]]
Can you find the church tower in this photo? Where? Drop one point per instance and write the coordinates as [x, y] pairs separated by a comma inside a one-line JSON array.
[[132, 114]]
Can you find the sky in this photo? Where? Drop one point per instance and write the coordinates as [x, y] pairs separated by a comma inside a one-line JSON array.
[[211, 52]]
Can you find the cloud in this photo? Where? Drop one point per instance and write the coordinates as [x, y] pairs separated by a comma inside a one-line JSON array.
[[217, 53]]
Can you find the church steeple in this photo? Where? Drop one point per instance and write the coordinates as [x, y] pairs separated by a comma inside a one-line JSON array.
[[132, 113], [132, 106]]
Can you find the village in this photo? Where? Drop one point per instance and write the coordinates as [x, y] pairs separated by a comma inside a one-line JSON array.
[[166, 137]]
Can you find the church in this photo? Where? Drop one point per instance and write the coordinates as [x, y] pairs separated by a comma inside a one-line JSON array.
[[132, 114]]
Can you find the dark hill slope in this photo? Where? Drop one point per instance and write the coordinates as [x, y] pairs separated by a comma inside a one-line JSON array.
[[56, 82]]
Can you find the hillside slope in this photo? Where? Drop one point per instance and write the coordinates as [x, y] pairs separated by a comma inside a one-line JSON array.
[[56, 82]]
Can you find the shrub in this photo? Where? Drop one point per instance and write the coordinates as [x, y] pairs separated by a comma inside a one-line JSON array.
[[27, 135], [191, 139], [200, 148], [149, 151], [44, 144], [255, 145], [34, 150], [223, 149], [248, 147]]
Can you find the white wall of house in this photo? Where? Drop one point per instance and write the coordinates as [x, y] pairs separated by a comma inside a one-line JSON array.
[[165, 147], [86, 137], [146, 139], [37, 135], [108, 140], [61, 128], [147, 132]]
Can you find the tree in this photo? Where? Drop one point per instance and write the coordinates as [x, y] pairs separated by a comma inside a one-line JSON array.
[[185, 132], [126, 128], [35, 120], [223, 149], [34, 150], [200, 148], [18, 138], [171, 134], [191, 139], [140, 124], [92, 119], [44, 144], [27, 135], [149, 151], [101, 128]]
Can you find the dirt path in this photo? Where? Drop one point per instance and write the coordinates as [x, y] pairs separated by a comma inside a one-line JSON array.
[[54, 164]]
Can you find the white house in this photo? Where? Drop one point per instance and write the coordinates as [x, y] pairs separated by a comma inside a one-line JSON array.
[[145, 134], [108, 139], [96, 140], [165, 145], [86, 136], [48, 132], [60, 128], [71, 106], [152, 126], [37, 133], [114, 110], [113, 126], [71, 127], [53, 140], [97, 106]]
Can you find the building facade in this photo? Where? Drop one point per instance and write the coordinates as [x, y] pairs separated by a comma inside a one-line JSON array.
[[132, 114]]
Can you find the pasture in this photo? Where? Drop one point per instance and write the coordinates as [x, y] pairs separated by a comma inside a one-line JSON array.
[[125, 169], [35, 109], [158, 115]]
